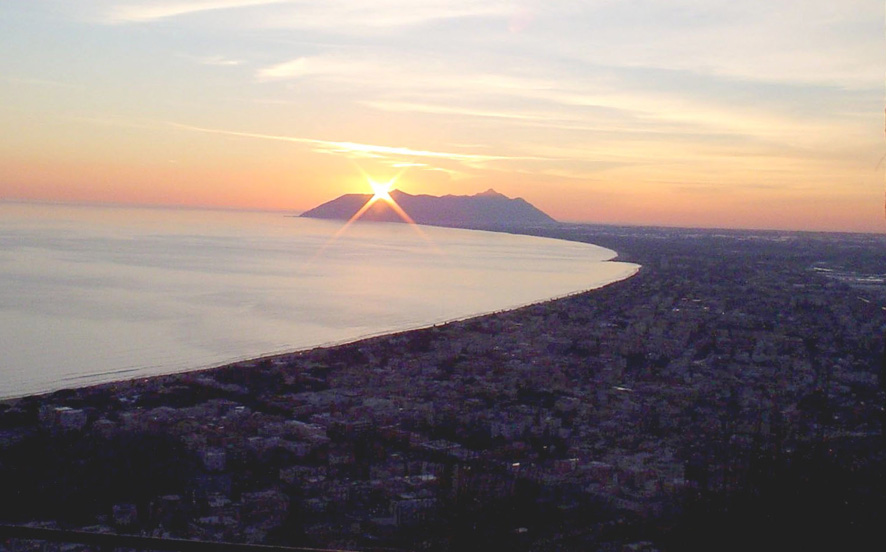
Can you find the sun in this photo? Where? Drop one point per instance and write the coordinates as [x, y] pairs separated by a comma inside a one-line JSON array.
[[382, 190]]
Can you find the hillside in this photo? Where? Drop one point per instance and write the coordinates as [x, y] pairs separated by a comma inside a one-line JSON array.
[[487, 208]]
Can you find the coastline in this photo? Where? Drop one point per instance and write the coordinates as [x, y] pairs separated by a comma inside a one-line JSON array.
[[147, 368], [600, 420], [630, 271]]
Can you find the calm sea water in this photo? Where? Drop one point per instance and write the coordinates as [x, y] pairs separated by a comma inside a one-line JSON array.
[[95, 294]]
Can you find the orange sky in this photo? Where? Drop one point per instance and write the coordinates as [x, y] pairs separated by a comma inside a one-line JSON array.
[[682, 113]]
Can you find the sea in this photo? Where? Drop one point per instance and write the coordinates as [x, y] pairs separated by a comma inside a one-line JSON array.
[[91, 294]]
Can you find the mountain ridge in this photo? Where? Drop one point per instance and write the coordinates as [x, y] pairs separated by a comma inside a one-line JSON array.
[[489, 208]]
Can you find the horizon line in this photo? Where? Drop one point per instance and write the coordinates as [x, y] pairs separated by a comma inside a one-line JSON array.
[[296, 213]]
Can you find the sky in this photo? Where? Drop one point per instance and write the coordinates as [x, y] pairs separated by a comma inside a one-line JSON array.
[[698, 113]]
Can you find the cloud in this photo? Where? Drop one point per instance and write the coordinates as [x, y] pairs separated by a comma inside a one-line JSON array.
[[145, 12], [354, 148], [358, 17], [348, 16], [41, 82], [443, 109], [608, 118], [306, 66], [621, 100], [799, 41], [219, 61], [406, 73], [809, 41]]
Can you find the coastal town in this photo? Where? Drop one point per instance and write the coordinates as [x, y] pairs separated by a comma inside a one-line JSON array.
[[728, 396]]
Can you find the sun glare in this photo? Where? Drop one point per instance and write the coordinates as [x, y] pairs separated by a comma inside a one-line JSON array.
[[382, 190]]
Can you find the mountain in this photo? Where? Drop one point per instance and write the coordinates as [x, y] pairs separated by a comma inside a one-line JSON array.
[[488, 208]]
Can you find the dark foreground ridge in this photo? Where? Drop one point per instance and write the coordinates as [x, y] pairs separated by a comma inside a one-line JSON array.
[[730, 396], [487, 208]]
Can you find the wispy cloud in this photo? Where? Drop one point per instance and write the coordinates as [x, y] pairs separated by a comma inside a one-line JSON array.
[[353, 15], [403, 71], [41, 82], [349, 16], [814, 41], [310, 66], [354, 148], [145, 12], [579, 126], [754, 39], [220, 61], [618, 103], [440, 109], [400, 70]]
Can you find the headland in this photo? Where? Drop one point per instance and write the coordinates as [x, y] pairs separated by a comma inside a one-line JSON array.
[[486, 209]]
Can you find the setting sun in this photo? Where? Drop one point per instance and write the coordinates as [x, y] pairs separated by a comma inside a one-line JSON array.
[[381, 190]]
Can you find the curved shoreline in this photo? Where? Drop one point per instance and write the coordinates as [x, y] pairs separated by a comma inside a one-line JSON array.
[[399, 332], [288, 353], [630, 270]]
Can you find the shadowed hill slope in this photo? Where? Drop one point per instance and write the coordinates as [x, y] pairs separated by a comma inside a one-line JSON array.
[[489, 207]]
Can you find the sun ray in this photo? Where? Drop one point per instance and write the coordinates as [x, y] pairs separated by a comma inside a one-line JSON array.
[[356, 216], [415, 226], [381, 192], [342, 230]]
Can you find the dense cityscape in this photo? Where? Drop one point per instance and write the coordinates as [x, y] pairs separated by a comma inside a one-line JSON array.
[[729, 396]]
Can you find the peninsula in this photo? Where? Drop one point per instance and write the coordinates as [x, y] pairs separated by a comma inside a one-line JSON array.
[[487, 208]]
